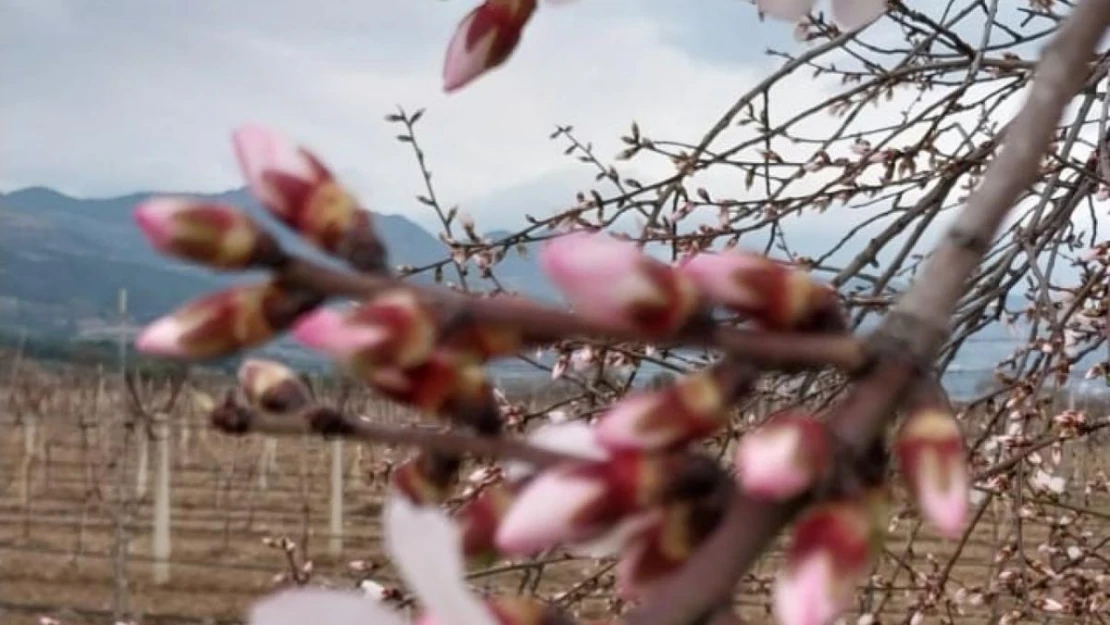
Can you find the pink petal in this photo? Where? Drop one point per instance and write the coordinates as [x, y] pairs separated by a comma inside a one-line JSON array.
[[162, 338], [792, 10], [945, 502], [260, 150], [767, 463], [461, 65], [713, 274], [155, 219], [298, 606], [853, 14], [804, 594], [545, 512], [622, 426], [598, 273], [328, 331]]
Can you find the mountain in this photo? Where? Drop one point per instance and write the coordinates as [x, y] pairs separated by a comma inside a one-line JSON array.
[[63, 261]]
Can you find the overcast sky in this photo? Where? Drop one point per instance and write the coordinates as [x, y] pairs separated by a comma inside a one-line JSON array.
[[104, 97]]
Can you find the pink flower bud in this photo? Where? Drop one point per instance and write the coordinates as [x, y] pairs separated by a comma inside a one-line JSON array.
[[391, 330], [484, 40], [833, 546], [693, 407], [776, 295], [214, 234], [272, 386], [931, 454], [302, 193], [481, 516], [579, 502], [784, 457], [609, 280], [222, 323]]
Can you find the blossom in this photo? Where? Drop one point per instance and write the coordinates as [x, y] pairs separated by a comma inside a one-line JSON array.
[[214, 234], [691, 408], [485, 39], [272, 386], [224, 322], [776, 295], [298, 189], [832, 549], [392, 329], [783, 457], [611, 281], [931, 454]]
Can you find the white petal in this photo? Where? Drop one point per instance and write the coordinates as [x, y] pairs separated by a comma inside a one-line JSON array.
[[571, 437], [852, 14], [792, 10], [320, 606], [426, 547]]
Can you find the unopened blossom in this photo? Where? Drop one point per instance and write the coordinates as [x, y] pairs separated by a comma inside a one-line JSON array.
[[444, 384], [612, 281], [932, 457], [224, 322], [693, 407], [593, 498], [392, 329], [298, 189], [776, 295], [665, 545], [784, 457], [480, 517], [849, 14], [484, 39], [832, 549], [272, 386], [210, 233]]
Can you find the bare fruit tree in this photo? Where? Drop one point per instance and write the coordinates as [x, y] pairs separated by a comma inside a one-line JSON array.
[[952, 207]]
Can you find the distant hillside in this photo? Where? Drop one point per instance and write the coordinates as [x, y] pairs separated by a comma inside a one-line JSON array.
[[64, 259]]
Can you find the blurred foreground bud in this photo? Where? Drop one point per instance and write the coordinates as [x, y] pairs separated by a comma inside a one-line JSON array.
[[445, 385], [582, 502], [299, 190], [426, 478], [833, 547], [484, 40], [848, 14], [776, 295], [208, 233], [695, 406], [931, 455], [611, 281], [272, 386], [225, 322], [784, 457], [665, 546], [480, 517], [392, 329]]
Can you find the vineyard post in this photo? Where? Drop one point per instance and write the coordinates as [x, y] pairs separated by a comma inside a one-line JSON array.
[[161, 547], [335, 540]]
